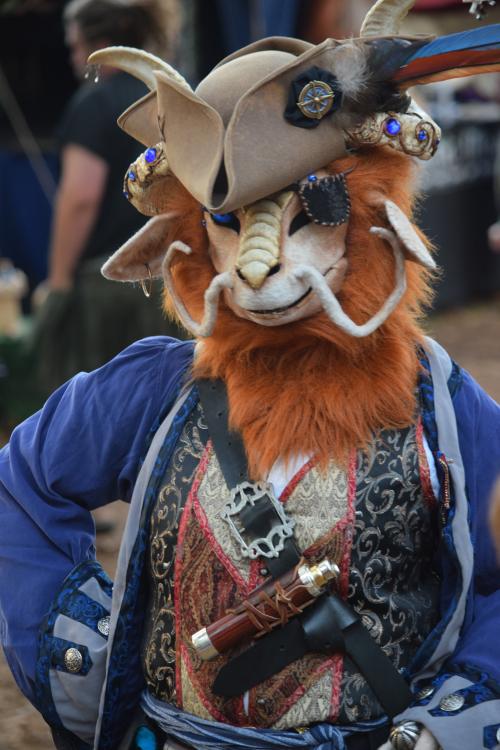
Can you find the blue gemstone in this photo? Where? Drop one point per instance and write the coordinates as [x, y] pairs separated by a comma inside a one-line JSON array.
[[126, 194], [422, 135], [223, 218], [312, 178], [150, 155], [145, 739], [392, 126], [131, 176]]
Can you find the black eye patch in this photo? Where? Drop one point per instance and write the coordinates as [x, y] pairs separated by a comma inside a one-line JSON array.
[[301, 220], [326, 201], [226, 220]]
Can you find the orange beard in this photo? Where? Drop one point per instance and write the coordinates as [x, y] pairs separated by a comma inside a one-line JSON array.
[[308, 387]]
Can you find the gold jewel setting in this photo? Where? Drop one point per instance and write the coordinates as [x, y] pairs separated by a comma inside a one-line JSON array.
[[316, 100], [410, 133]]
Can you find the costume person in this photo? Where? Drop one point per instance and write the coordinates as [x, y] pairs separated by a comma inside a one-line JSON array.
[[312, 431]]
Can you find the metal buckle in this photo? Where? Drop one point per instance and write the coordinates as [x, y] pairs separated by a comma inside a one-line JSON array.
[[250, 493]]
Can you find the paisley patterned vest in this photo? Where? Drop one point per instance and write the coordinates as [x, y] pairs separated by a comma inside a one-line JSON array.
[[377, 520]]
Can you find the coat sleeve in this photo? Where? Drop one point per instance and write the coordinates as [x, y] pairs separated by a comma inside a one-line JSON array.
[[81, 451], [461, 705]]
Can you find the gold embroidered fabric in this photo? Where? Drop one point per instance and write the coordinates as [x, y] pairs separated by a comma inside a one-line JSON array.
[[392, 582], [159, 655], [374, 521]]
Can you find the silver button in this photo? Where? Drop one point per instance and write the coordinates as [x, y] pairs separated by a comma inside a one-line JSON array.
[[426, 692], [103, 626], [405, 736], [498, 736], [452, 702], [73, 660]]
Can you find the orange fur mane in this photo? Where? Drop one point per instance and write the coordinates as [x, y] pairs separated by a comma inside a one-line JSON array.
[[308, 387]]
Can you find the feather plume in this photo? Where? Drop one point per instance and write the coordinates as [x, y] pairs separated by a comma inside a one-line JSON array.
[[350, 65], [452, 56], [382, 60]]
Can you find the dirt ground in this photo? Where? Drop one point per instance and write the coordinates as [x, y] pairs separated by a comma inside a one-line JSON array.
[[472, 336]]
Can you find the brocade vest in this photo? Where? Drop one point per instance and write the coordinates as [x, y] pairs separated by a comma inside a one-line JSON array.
[[377, 520]]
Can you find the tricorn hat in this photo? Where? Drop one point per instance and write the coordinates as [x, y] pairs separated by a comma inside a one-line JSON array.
[[281, 108]]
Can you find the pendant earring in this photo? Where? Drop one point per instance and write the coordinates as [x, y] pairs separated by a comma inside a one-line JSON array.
[[147, 286]]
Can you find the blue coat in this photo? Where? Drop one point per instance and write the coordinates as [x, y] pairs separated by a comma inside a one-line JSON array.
[[84, 449]]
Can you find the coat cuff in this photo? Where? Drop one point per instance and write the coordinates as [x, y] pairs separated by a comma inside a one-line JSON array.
[[460, 708], [71, 663]]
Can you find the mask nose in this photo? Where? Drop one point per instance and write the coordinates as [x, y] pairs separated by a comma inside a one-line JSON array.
[[256, 272]]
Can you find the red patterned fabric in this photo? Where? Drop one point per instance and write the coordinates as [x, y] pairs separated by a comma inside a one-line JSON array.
[[207, 583], [376, 518]]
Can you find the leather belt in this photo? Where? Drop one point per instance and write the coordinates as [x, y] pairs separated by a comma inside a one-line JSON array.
[[329, 626]]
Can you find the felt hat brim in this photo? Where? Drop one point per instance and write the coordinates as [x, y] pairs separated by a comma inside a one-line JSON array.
[[244, 133]]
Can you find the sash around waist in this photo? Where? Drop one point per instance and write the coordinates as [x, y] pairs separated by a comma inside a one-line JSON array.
[[214, 735]]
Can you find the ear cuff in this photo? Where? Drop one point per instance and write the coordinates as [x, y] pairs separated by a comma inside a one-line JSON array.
[[409, 133], [144, 181], [147, 286]]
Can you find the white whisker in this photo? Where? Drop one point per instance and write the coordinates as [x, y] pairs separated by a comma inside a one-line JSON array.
[[211, 297], [331, 304]]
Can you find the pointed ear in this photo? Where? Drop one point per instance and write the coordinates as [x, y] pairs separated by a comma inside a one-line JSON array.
[[146, 249], [412, 244]]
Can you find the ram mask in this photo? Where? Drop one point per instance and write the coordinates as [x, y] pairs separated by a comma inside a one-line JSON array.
[[268, 151]]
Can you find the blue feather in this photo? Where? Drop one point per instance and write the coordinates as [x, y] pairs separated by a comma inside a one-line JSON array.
[[485, 37]]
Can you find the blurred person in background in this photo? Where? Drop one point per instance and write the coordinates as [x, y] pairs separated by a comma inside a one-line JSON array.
[[81, 321]]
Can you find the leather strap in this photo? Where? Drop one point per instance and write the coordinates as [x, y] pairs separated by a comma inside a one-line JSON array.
[[329, 626], [227, 443], [258, 520]]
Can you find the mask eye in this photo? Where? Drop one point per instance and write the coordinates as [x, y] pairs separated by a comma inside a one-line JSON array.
[[226, 220], [301, 220]]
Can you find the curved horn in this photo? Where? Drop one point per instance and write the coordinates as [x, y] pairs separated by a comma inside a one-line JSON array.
[[138, 63], [385, 18]]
